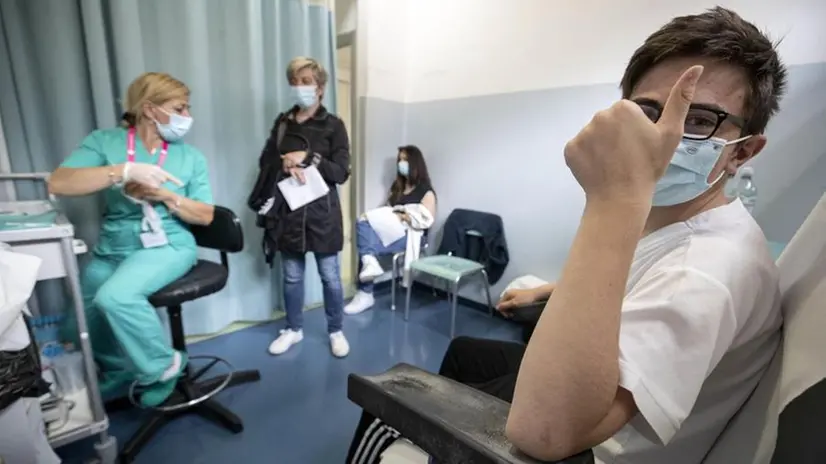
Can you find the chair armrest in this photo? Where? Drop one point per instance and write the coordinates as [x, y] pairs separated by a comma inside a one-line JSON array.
[[529, 314], [450, 421]]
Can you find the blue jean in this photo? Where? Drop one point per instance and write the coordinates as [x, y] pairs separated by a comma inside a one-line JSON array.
[[368, 243], [329, 268]]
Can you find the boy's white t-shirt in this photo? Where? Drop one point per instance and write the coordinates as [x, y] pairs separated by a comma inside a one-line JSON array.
[[700, 323]]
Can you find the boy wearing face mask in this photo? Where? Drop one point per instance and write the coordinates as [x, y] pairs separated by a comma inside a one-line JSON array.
[[667, 312], [308, 135]]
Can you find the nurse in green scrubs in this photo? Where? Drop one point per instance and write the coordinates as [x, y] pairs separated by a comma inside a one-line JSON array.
[[154, 186]]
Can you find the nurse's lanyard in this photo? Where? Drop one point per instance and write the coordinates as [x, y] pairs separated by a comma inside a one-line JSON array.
[[151, 220], [130, 148]]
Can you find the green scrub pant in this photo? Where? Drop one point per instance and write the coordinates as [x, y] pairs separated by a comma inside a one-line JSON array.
[[127, 336]]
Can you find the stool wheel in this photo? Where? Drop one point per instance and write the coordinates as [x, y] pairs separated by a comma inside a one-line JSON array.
[[195, 401]]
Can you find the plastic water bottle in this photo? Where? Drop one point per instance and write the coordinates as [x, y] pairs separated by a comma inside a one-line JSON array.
[[68, 370], [52, 335], [47, 358], [746, 190]]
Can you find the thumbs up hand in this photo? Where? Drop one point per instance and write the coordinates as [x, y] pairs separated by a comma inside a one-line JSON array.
[[620, 155]]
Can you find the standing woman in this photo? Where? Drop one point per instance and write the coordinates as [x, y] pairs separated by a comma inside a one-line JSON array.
[[307, 135], [154, 186]]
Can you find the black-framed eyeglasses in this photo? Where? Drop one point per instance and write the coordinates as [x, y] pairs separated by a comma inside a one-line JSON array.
[[701, 123]]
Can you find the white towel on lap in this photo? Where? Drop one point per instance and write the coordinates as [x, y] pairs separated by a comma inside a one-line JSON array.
[[420, 217], [386, 223], [420, 220]]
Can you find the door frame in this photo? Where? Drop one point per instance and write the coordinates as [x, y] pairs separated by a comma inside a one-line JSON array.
[[344, 40]]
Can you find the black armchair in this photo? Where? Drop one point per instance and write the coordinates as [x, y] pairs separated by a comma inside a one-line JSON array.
[[452, 422], [193, 395]]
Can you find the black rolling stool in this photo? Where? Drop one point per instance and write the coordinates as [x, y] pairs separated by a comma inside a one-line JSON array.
[[193, 395]]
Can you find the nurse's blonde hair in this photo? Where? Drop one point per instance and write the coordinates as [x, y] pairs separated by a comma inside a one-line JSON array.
[[152, 87]]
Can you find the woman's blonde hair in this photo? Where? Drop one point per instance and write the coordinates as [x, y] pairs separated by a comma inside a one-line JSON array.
[[300, 63], [152, 87]]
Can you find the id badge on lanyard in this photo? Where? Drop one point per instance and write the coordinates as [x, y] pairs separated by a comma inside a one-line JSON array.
[[152, 233]]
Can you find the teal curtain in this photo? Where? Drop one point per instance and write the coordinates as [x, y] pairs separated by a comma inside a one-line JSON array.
[[65, 65]]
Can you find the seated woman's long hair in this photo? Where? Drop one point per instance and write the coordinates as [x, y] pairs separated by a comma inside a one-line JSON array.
[[417, 174]]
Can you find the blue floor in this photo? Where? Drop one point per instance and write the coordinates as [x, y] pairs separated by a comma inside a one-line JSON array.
[[299, 413]]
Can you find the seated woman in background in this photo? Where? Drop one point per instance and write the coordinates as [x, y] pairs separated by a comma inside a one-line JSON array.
[[412, 186], [154, 186]]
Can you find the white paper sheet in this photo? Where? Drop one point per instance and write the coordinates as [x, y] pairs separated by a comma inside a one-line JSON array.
[[386, 223], [297, 194]]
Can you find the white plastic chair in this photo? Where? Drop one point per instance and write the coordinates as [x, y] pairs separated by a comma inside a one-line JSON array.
[[798, 370]]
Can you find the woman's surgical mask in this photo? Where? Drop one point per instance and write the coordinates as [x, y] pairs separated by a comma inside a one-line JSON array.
[[176, 128], [403, 168], [686, 177], [304, 95]]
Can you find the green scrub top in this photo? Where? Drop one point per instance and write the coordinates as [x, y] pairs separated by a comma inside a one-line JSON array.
[[120, 232]]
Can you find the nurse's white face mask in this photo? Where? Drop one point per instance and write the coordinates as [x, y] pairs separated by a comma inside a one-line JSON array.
[[176, 128]]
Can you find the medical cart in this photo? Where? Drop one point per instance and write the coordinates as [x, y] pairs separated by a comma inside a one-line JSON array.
[[39, 228]]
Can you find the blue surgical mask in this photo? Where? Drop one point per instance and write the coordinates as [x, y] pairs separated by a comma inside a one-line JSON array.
[[404, 168], [304, 95], [686, 177], [176, 128]]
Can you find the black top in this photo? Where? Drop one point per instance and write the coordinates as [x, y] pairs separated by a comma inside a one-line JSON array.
[[317, 226], [319, 131], [414, 196]]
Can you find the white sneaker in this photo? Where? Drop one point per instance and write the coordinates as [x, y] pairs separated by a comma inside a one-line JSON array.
[[339, 345], [360, 303], [284, 341], [370, 268]]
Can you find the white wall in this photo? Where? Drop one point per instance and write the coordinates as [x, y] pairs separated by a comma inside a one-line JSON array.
[[381, 74], [460, 48], [384, 42]]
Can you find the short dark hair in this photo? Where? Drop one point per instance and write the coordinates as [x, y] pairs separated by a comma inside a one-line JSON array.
[[720, 34]]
